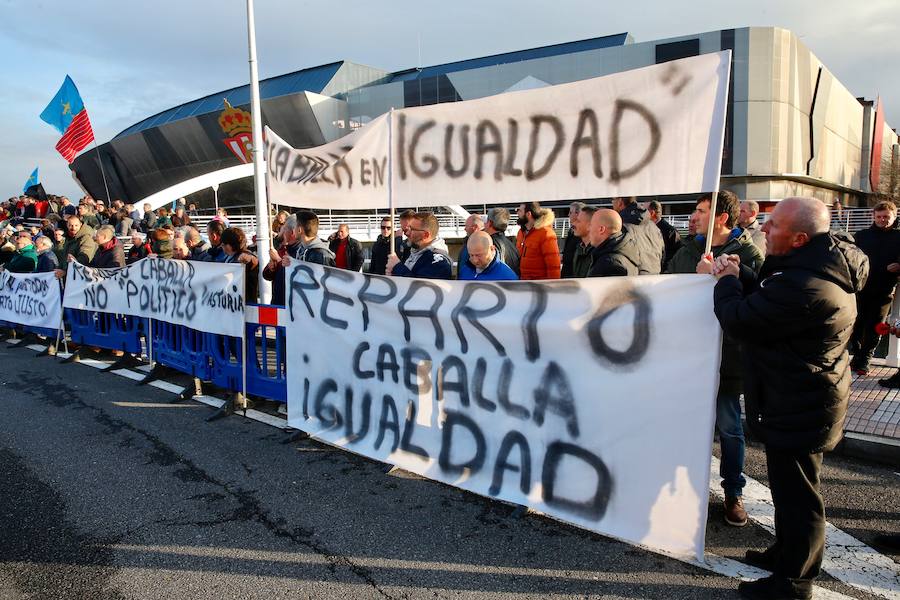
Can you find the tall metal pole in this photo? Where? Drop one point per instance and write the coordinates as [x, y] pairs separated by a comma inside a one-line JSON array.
[[259, 176], [707, 251], [390, 177]]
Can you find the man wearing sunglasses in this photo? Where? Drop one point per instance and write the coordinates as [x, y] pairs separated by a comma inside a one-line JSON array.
[[429, 258], [381, 249]]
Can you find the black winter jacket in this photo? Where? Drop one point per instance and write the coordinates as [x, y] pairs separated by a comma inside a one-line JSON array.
[[617, 256], [353, 253], [794, 328], [506, 248], [882, 246], [380, 251]]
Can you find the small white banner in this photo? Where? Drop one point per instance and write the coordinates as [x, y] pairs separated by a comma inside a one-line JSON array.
[[31, 299], [203, 296], [655, 130], [583, 399]]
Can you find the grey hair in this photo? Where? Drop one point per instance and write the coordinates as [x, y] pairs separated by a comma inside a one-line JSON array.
[[291, 221], [753, 204], [193, 235], [577, 205], [499, 217], [811, 217], [108, 229], [44, 241]]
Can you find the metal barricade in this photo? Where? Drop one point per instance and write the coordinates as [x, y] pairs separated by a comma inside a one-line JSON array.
[[106, 330], [267, 368], [182, 348]]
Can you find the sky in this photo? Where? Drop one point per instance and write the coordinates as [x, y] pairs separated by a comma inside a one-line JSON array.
[[131, 60]]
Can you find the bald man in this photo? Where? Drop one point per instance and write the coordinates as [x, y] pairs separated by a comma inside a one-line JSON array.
[[615, 252], [794, 326], [483, 262]]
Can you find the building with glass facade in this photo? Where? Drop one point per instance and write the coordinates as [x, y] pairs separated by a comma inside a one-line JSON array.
[[792, 127]]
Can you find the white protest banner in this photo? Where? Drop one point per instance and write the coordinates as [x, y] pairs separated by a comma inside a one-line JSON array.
[[583, 399], [31, 299], [204, 296], [654, 130]]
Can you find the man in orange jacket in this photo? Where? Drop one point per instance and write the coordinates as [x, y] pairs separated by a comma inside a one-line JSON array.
[[536, 243]]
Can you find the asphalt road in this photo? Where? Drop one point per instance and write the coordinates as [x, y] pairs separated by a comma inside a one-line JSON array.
[[108, 491]]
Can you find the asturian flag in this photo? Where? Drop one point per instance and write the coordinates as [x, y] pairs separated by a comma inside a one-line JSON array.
[[67, 114], [33, 180]]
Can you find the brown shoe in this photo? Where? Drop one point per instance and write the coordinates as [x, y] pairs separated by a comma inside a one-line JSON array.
[[735, 514]]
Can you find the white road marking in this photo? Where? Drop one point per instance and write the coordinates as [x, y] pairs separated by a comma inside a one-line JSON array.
[[846, 558]]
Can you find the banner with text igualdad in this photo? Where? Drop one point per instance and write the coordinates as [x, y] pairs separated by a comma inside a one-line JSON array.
[[583, 399], [203, 296], [649, 131], [31, 299]]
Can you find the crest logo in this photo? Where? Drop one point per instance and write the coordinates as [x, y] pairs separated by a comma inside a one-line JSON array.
[[235, 124]]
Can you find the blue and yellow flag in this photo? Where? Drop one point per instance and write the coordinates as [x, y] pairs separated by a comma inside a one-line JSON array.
[[33, 180], [64, 106]]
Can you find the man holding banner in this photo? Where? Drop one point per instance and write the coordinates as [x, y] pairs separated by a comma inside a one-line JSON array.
[[726, 239], [794, 327], [429, 257]]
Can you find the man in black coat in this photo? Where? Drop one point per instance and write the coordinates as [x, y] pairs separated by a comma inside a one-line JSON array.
[[671, 237], [380, 249], [495, 226], [110, 253], [794, 326], [881, 243], [571, 243], [348, 252], [615, 252]]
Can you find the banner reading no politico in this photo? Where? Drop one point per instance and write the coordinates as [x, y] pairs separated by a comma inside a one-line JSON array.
[[203, 296], [649, 131], [570, 397], [31, 299]]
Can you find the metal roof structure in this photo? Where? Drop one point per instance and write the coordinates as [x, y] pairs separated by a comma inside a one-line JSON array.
[[306, 80], [606, 41]]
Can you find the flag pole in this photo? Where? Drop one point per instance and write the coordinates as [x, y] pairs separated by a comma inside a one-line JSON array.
[[259, 179], [102, 171], [715, 195], [390, 179]]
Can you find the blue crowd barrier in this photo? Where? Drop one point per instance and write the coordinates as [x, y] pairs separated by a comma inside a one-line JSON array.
[[181, 348], [226, 354], [106, 330], [267, 368], [207, 356]]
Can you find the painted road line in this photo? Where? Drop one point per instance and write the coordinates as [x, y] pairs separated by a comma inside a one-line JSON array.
[[733, 568], [267, 419], [210, 401], [166, 386], [846, 558], [128, 374]]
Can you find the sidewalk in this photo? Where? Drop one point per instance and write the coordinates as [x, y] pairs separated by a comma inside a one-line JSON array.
[[872, 428]]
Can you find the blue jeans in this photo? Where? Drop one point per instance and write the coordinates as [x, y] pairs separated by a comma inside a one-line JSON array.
[[731, 440]]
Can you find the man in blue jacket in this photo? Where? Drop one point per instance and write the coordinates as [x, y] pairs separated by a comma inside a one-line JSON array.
[[483, 262], [429, 258]]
